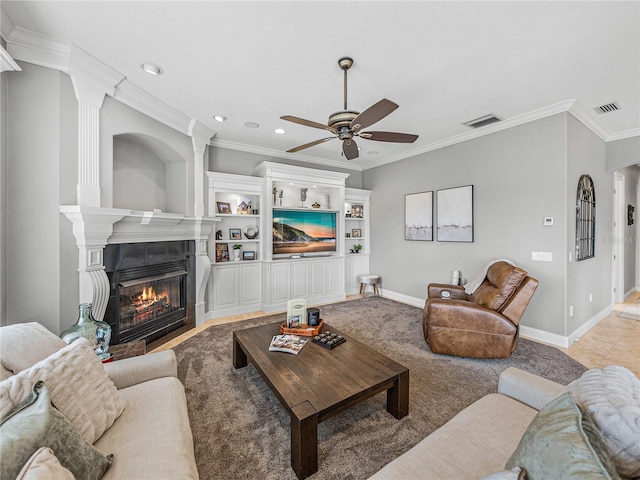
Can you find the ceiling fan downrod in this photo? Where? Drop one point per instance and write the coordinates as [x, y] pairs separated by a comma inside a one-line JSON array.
[[345, 64]]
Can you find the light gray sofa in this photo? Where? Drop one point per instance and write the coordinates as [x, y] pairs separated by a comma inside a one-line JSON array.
[[152, 437], [481, 440]]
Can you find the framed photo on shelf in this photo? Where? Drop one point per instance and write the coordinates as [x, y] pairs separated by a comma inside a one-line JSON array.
[[235, 234], [356, 232], [357, 211], [248, 255], [222, 252], [224, 207]]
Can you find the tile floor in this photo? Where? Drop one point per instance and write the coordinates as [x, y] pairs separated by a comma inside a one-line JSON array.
[[614, 341]]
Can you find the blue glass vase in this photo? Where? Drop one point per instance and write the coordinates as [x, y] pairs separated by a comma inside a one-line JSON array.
[[98, 333]]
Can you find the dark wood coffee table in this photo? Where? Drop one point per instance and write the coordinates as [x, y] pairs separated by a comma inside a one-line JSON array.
[[319, 383]]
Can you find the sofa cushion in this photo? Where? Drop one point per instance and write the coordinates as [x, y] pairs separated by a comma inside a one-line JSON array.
[[43, 465], [474, 443], [14, 338], [33, 424], [78, 385], [563, 442], [611, 397], [153, 434]]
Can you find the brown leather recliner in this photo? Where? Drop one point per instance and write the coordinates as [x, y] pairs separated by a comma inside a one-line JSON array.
[[484, 324]]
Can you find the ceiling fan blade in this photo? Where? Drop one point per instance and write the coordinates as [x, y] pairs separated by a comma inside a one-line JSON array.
[[310, 144], [350, 149], [389, 137], [307, 123], [373, 114]]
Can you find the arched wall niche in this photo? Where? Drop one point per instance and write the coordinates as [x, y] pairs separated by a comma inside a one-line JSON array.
[[148, 174]]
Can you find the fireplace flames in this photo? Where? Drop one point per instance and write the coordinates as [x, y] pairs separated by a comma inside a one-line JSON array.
[[143, 307]]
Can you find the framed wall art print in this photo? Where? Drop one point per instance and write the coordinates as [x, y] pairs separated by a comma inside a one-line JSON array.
[[455, 214], [418, 216]]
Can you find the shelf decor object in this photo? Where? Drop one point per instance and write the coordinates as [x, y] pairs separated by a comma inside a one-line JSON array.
[[418, 216], [251, 231], [455, 214]]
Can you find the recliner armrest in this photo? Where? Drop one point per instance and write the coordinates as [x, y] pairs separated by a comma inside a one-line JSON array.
[[131, 371], [434, 290], [528, 388]]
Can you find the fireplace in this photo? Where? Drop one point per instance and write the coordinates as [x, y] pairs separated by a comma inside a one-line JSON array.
[[151, 290]]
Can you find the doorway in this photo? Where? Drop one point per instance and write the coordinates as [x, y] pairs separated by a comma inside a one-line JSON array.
[[618, 237]]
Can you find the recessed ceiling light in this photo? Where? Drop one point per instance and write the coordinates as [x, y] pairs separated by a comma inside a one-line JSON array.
[[251, 125], [280, 131], [151, 68], [220, 118]]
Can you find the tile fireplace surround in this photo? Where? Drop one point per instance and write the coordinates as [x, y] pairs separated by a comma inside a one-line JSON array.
[[96, 227]]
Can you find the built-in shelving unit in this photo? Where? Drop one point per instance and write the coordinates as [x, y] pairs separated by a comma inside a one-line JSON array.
[[357, 214], [235, 285]]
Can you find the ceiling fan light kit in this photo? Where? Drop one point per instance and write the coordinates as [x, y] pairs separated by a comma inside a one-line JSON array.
[[347, 124]]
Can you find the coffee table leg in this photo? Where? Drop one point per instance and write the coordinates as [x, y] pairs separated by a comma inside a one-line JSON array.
[[398, 396], [239, 357], [304, 440]]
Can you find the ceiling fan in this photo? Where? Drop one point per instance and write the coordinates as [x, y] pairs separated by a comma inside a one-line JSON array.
[[347, 124]]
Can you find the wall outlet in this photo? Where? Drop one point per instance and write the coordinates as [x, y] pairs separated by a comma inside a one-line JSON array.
[[542, 256], [591, 297], [571, 310]]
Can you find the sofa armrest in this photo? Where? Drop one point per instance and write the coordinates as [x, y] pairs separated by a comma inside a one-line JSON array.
[[434, 290], [131, 371], [528, 388]]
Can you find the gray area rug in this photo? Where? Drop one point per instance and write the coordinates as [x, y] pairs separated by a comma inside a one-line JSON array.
[[241, 431]]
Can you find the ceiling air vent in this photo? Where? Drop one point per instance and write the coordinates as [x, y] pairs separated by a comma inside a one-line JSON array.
[[482, 121], [608, 108]]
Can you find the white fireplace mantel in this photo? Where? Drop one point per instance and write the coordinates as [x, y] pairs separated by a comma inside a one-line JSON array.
[[96, 227]]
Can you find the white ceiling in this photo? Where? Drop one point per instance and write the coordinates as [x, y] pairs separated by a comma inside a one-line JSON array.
[[444, 63]]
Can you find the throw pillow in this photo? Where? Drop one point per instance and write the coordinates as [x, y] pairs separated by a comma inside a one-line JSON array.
[[33, 424], [562, 442], [23, 344], [611, 397], [43, 465], [78, 385], [515, 474]]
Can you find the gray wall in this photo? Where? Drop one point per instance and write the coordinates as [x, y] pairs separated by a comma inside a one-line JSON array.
[[622, 153], [226, 160], [40, 152], [586, 155], [631, 178], [3, 189], [519, 177]]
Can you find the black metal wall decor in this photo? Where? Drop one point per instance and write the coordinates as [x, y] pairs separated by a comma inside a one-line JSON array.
[[585, 219]]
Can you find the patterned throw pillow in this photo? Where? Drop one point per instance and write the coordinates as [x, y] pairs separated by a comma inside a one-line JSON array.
[[78, 385], [34, 424], [611, 397], [562, 442]]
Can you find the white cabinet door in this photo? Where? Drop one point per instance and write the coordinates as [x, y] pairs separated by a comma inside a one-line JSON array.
[[333, 276], [299, 279], [316, 281], [280, 279], [250, 283], [225, 281], [355, 265]]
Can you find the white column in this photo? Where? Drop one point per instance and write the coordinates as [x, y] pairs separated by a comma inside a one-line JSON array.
[[200, 137]]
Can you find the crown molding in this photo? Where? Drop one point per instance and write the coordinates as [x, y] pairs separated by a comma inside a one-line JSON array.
[[588, 119], [7, 64], [632, 132], [39, 49], [278, 154]]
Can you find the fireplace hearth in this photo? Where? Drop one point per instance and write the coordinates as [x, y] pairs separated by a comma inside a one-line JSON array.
[[151, 290]]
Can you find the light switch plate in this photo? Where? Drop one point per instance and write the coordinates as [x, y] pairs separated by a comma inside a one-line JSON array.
[[542, 256], [548, 221]]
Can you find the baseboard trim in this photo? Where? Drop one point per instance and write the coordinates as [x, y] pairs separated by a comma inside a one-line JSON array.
[[400, 297]]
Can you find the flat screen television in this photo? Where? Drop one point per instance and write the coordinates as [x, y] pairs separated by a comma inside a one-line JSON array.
[[308, 232]]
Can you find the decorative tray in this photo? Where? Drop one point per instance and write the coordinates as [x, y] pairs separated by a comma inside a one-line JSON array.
[[304, 331], [328, 340]]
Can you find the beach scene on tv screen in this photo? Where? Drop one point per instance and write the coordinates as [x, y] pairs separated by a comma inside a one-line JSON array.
[[303, 232]]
